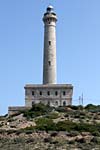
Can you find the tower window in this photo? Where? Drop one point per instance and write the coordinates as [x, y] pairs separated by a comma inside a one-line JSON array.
[[48, 92], [64, 93], [56, 93], [33, 93], [49, 42], [40, 92], [49, 62]]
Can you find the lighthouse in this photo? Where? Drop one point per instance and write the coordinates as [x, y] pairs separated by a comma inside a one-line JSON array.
[[49, 60], [49, 92]]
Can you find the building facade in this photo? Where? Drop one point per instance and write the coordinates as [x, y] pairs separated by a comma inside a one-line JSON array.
[[54, 94]]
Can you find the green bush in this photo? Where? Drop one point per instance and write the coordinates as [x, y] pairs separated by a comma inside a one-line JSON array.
[[45, 124], [75, 107], [48, 124], [37, 110], [71, 126], [41, 107], [93, 108], [61, 109], [66, 126], [52, 115], [90, 106], [96, 140], [96, 133]]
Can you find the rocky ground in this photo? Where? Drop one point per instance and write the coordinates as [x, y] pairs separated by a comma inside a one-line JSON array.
[[47, 141], [24, 132]]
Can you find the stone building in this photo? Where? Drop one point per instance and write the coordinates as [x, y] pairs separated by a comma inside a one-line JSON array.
[[49, 92]]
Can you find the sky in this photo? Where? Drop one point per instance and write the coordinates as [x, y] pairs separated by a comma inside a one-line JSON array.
[[21, 48]]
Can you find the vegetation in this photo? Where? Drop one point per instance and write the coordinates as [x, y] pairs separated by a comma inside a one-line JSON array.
[[47, 114], [45, 126], [48, 124], [37, 110], [52, 115], [92, 108], [41, 109]]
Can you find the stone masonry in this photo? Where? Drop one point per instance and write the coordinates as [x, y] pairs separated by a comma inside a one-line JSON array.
[[54, 94]]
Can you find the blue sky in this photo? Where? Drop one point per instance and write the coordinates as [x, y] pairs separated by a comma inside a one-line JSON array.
[[21, 48]]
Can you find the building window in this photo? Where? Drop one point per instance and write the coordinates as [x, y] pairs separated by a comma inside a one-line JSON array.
[[48, 93], [56, 93], [49, 62], [56, 103], [40, 92], [64, 93], [49, 42], [33, 93], [64, 103]]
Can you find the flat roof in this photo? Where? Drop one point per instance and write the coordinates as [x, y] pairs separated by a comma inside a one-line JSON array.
[[48, 86]]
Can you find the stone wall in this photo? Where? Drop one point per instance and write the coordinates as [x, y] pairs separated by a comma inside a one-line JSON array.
[[15, 110]]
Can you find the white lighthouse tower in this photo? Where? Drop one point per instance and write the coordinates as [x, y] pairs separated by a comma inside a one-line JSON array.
[[49, 61]]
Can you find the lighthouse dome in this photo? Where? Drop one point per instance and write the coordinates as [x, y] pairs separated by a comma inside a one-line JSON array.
[[50, 9]]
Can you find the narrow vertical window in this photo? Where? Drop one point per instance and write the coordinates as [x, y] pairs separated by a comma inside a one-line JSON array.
[[56, 93], [64, 93], [33, 93], [49, 62], [40, 92], [48, 92], [49, 42]]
